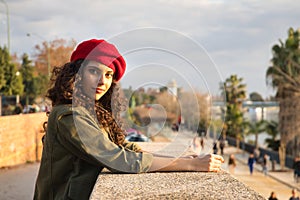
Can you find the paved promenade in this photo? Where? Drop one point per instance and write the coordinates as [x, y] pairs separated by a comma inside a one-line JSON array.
[[279, 182], [18, 182]]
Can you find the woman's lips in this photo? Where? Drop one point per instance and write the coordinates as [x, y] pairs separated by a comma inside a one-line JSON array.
[[99, 90]]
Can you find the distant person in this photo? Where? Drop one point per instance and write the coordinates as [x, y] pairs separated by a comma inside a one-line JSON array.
[[272, 196], [256, 154], [215, 148], [222, 146], [202, 143], [231, 164], [265, 164], [18, 109], [196, 145], [296, 167], [294, 195], [175, 127], [251, 161]]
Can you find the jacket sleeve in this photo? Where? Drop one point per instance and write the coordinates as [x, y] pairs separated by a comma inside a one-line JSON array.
[[132, 146], [81, 135]]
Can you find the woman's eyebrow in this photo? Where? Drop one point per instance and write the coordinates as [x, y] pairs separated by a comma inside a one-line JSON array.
[[93, 66], [107, 70]]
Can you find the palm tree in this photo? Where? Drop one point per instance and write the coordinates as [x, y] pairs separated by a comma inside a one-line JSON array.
[[272, 130], [235, 92], [256, 128], [284, 76]]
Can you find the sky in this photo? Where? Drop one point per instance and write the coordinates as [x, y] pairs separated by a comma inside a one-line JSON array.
[[197, 43]]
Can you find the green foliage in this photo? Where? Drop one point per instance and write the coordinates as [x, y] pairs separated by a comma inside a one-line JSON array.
[[22, 82], [34, 86], [254, 96], [284, 73], [284, 76], [235, 92], [40, 85], [3, 62], [272, 130], [31, 81], [10, 79], [256, 128], [163, 89]]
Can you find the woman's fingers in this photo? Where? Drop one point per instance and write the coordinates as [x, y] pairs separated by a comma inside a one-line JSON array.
[[217, 157], [210, 163], [215, 163]]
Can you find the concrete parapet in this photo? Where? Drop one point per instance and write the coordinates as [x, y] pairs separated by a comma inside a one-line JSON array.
[[179, 185], [20, 138]]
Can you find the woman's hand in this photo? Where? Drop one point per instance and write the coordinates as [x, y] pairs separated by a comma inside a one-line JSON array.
[[207, 163]]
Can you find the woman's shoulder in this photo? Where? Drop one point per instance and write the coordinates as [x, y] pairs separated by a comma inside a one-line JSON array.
[[68, 109]]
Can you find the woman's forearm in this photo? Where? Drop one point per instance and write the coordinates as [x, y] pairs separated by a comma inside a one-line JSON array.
[[160, 164], [209, 162]]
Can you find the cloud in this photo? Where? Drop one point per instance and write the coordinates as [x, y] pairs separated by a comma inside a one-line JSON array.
[[238, 35]]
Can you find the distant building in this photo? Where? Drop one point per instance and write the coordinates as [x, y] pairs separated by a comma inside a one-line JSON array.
[[172, 87], [254, 110], [261, 110]]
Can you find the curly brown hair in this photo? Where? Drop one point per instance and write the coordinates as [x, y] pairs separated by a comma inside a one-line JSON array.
[[65, 88]]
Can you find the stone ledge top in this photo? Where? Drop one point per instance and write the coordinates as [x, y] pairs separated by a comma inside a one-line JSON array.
[[171, 185]]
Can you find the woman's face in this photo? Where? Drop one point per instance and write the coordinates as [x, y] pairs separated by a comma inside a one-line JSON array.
[[97, 79]]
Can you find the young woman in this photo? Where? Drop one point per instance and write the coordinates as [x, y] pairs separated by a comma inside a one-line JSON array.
[[83, 133]]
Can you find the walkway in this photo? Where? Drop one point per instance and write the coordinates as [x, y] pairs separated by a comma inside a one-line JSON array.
[[279, 182], [17, 183]]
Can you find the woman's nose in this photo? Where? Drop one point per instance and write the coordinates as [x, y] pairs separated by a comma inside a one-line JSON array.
[[101, 80]]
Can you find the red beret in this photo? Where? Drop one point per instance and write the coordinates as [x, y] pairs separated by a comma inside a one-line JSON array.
[[103, 52]]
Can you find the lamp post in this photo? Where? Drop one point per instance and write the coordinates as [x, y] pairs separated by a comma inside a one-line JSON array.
[[17, 96], [47, 50], [7, 24]]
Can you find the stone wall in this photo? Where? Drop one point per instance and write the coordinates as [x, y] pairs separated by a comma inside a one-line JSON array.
[[20, 138]]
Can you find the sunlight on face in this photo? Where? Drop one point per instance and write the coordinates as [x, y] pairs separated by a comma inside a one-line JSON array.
[[97, 79]]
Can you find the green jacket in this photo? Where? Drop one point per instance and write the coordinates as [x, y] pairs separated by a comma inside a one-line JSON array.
[[74, 153]]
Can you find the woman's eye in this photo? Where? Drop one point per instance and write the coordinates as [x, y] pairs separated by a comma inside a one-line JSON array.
[[109, 75], [93, 71]]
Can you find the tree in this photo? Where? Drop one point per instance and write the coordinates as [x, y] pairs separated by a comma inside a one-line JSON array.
[[27, 70], [54, 53], [40, 83], [235, 92], [48, 54], [195, 110], [10, 79], [167, 100], [272, 130], [254, 96], [256, 128], [204, 112], [3, 62], [284, 76]]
